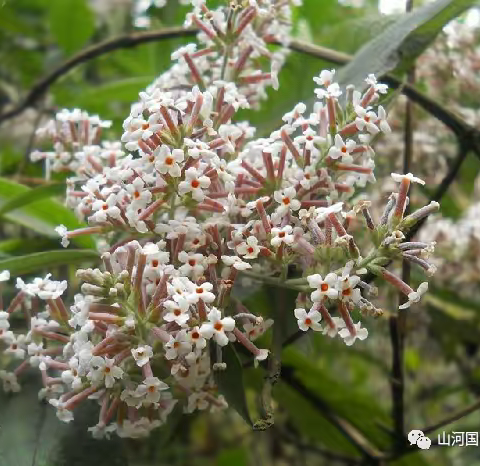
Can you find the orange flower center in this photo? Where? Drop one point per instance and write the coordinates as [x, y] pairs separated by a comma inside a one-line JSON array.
[[218, 326], [195, 184], [308, 321], [169, 160], [324, 287], [155, 263]]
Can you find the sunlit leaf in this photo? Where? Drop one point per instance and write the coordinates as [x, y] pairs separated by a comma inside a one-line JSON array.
[[402, 42], [20, 265], [41, 216], [71, 22], [31, 196]]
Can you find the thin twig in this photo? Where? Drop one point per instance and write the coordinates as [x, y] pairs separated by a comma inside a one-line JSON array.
[[463, 149], [454, 417], [348, 430], [94, 51], [454, 122], [327, 454], [397, 322]]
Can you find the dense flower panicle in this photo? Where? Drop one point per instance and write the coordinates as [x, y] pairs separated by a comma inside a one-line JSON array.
[[191, 208]]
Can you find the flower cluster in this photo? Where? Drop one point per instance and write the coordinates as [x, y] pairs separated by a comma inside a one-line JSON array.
[[197, 204]]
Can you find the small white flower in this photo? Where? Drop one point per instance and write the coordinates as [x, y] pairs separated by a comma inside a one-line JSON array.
[[35, 352], [325, 78], [151, 389], [282, 235], [197, 400], [4, 323], [139, 193], [4, 275], [178, 311], [380, 88], [203, 292], [73, 376], [9, 382], [321, 213], [196, 338], [193, 264], [309, 138], [167, 161], [326, 288], [366, 120], [63, 414], [261, 356], [308, 320], [382, 120], [346, 285], [349, 339], [194, 183], [415, 296], [413, 179], [235, 262], [342, 149], [249, 249], [44, 288], [178, 345], [332, 330], [196, 149], [216, 327], [62, 230], [142, 355], [287, 201], [17, 346], [331, 92], [106, 370]]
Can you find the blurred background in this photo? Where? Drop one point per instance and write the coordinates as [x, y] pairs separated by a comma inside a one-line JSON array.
[[327, 389]]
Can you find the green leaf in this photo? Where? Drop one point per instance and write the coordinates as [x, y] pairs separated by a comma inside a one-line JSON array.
[[454, 310], [230, 382], [399, 44], [41, 216], [233, 457], [347, 402], [21, 265], [31, 196], [72, 23], [31, 434], [19, 246], [96, 98]]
